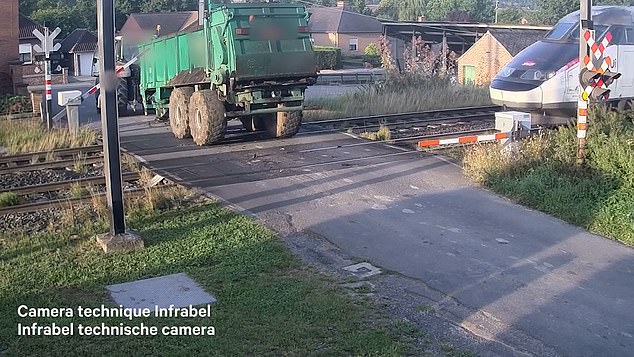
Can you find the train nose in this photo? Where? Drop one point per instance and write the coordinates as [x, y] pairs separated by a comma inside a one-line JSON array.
[[525, 99]]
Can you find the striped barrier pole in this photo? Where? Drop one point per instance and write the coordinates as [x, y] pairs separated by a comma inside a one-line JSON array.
[[48, 90], [464, 140]]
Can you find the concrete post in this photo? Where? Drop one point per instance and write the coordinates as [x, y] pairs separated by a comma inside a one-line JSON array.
[[72, 113]]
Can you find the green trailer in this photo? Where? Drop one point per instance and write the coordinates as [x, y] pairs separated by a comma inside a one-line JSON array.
[[247, 61]]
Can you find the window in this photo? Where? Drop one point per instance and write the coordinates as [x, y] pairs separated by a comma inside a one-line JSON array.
[[629, 34], [560, 30], [354, 44], [26, 54], [468, 74]]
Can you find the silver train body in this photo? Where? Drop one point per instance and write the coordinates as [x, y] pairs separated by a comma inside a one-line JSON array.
[[544, 77]]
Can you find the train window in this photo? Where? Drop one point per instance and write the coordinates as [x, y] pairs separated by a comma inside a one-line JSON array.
[[629, 35], [618, 35], [560, 30]]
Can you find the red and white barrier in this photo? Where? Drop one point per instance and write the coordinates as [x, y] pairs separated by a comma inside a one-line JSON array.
[[464, 140], [96, 87]]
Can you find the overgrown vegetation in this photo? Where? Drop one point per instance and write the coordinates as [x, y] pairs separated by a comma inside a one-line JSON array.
[[20, 136], [15, 104], [543, 174], [398, 95], [9, 199], [268, 304], [327, 57], [383, 134]]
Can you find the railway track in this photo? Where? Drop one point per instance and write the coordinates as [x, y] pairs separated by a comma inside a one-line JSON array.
[[66, 185], [58, 154], [395, 121], [59, 203]]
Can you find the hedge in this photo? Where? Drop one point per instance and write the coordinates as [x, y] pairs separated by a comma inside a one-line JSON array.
[[327, 57]]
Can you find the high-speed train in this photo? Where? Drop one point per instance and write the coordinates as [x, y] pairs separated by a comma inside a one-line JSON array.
[[544, 77]]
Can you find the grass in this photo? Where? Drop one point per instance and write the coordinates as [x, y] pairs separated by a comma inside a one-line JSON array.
[[268, 303], [9, 199], [397, 96], [598, 196], [28, 135], [383, 134], [79, 163], [78, 190]]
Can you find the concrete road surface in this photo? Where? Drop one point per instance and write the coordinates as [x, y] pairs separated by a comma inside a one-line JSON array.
[[518, 278]]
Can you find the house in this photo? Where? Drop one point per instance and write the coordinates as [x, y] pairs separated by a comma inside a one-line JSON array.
[[10, 70], [340, 27], [78, 50], [140, 27], [31, 66], [27, 39], [484, 59]]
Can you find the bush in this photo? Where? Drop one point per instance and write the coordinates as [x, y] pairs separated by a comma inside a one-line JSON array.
[[9, 199], [10, 104], [327, 57]]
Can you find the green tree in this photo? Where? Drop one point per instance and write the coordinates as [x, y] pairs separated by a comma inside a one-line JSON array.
[[64, 18], [550, 11], [478, 10], [410, 10]]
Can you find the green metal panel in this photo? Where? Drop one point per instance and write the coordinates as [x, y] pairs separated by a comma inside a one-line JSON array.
[[273, 49]]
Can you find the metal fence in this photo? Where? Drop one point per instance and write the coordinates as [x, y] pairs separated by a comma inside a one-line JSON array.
[[351, 78]]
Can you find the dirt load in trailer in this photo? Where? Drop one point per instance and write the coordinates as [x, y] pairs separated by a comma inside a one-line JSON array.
[[249, 61]]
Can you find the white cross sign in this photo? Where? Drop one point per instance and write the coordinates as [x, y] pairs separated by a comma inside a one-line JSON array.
[[47, 45]]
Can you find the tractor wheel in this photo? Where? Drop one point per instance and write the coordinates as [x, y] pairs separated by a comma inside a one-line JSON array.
[[122, 96], [206, 117], [283, 124], [179, 112]]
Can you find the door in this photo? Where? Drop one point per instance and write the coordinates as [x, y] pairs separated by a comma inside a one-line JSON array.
[[468, 74]]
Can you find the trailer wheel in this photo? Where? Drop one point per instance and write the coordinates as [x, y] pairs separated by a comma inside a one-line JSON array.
[[179, 112], [284, 124], [206, 117], [122, 96]]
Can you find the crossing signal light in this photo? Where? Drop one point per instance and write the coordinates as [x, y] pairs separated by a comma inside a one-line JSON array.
[[595, 84], [588, 77], [608, 77]]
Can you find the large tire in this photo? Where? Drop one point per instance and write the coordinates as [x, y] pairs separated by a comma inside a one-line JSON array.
[[284, 124], [206, 117], [122, 96], [179, 112]]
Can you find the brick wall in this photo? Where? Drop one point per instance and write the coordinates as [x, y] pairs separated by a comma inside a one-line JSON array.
[[8, 43], [488, 56], [363, 40], [342, 41]]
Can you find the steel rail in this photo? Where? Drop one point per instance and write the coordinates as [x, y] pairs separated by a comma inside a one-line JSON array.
[[33, 207], [49, 165], [437, 114], [57, 153], [62, 185]]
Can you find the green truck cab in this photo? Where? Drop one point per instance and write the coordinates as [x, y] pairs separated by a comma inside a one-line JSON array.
[[247, 61]]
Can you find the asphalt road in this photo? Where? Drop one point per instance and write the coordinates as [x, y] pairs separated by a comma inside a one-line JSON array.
[[514, 276]]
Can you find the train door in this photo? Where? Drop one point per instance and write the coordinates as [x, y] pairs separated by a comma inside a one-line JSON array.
[[624, 55], [572, 83]]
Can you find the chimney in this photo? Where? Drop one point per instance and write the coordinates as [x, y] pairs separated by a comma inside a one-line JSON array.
[[345, 5], [8, 43]]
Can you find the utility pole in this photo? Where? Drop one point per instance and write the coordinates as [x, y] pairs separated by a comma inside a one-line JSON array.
[[109, 120], [497, 6], [582, 106]]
